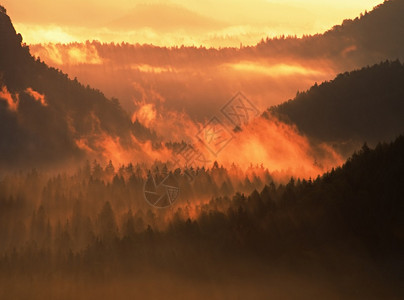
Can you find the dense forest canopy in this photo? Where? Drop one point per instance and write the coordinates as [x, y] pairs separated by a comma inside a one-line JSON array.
[[90, 223], [366, 105]]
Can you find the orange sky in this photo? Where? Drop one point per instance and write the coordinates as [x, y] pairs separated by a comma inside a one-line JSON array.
[[191, 22]]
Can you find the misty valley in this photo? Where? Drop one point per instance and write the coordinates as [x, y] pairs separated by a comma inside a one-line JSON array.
[[266, 171]]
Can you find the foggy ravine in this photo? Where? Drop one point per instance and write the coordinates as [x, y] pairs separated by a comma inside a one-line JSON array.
[[137, 171]]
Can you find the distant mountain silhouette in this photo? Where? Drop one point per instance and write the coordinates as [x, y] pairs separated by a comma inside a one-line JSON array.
[[363, 105], [34, 132], [165, 17]]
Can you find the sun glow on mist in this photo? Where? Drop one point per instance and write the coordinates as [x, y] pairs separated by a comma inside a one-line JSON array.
[[179, 22]]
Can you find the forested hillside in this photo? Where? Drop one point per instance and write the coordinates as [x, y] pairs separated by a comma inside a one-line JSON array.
[[45, 115], [366, 105], [348, 221], [194, 198], [367, 39]]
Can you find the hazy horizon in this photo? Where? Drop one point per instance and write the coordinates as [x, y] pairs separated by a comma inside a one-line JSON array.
[[178, 22]]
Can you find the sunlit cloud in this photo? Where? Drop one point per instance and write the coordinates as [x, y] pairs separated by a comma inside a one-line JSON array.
[[5, 95], [35, 33], [274, 70], [76, 54], [37, 96], [152, 69]]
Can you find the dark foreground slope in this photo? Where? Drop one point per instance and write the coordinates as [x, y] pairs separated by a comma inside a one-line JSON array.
[[34, 133], [366, 105], [340, 236]]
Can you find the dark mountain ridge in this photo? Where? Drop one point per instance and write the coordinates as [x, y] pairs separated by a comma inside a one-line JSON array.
[[365, 105], [33, 134]]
